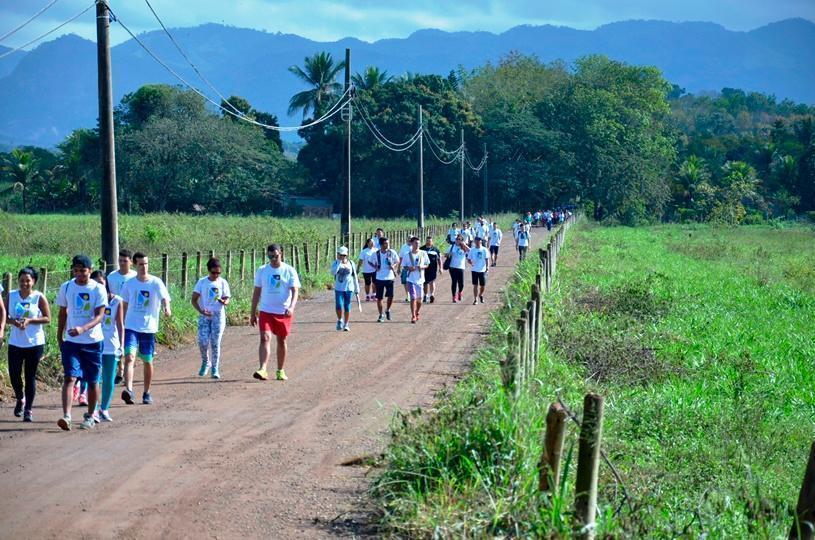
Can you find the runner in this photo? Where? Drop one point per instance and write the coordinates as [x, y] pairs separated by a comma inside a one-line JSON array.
[[523, 241], [346, 284], [82, 305], [432, 271], [28, 312], [456, 262], [496, 236], [478, 257], [112, 330], [368, 271], [210, 297], [385, 260], [116, 280], [415, 261], [403, 272], [277, 287], [143, 297]]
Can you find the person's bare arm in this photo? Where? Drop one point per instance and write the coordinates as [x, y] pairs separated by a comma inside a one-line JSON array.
[[62, 319], [295, 294], [253, 318], [198, 308]]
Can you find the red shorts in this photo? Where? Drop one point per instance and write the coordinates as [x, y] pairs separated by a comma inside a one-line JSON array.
[[279, 325]]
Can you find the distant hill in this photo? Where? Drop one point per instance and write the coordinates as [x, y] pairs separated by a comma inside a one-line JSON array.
[[48, 92]]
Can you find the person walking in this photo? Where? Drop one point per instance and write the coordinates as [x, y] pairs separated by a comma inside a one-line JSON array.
[[478, 258], [456, 263], [346, 284], [415, 262], [143, 298], [3, 316], [386, 261], [81, 303], [523, 241], [28, 312], [368, 270], [112, 331], [274, 299], [378, 236], [403, 272], [210, 297], [116, 280], [452, 232], [496, 236], [433, 270]]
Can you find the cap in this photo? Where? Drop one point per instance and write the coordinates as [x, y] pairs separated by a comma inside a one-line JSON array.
[[342, 250], [81, 260]]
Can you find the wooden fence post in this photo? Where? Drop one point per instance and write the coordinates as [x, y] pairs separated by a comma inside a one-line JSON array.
[[254, 261], [317, 257], [588, 464], [184, 276], [43, 283], [164, 269], [229, 264], [242, 265], [197, 264], [803, 528], [530, 331], [549, 467], [538, 329], [211, 253], [296, 257], [6, 287], [306, 257], [523, 349], [327, 250]]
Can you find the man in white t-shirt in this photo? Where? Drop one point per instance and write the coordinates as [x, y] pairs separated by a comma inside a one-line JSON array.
[[523, 241], [378, 235], [143, 298], [116, 280], [414, 262], [478, 258], [82, 303], [386, 261], [496, 236], [277, 288], [403, 272]]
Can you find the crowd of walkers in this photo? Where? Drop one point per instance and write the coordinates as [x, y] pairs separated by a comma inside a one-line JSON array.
[[106, 322]]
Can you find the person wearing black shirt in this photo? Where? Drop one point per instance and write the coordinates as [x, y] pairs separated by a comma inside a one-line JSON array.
[[432, 271]]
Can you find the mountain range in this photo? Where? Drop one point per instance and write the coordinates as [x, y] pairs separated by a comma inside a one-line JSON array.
[[50, 91]]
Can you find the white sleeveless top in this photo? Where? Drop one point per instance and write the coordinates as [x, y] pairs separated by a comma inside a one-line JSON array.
[[25, 308]]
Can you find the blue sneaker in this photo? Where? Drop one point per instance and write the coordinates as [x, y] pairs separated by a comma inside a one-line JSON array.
[[215, 373], [203, 370], [146, 398], [339, 326]]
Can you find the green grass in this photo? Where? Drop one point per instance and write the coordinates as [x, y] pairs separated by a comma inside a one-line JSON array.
[[701, 341]]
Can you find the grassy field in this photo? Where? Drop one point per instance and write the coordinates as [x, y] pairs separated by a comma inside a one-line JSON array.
[[701, 341]]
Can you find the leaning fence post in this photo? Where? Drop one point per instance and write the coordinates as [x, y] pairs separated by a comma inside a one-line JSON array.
[[803, 528], [588, 464], [6, 287], [43, 283], [549, 467], [184, 276], [164, 269]]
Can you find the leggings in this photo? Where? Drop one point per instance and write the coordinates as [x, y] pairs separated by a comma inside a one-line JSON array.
[[210, 332], [109, 362], [456, 280], [27, 358]]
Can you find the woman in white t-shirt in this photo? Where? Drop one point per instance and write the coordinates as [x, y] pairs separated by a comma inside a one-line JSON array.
[[210, 298], [368, 270], [523, 241], [28, 312], [457, 257], [345, 286], [113, 330]]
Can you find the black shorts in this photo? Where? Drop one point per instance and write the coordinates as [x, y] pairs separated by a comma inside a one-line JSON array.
[[494, 249], [384, 289], [480, 278], [369, 277], [430, 275]]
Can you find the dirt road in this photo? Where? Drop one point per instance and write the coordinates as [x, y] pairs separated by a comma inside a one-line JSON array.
[[239, 457]]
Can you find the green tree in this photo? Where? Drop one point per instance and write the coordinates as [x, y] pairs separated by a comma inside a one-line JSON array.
[[371, 78], [319, 72], [23, 171]]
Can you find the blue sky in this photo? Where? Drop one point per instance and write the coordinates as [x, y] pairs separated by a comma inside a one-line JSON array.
[[326, 20]]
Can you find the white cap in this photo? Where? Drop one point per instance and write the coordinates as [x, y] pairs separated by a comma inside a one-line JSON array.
[[343, 250]]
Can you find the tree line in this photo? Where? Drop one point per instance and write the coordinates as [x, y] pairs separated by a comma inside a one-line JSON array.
[[615, 139]]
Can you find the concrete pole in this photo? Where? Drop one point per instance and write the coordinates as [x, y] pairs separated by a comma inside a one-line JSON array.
[[110, 220]]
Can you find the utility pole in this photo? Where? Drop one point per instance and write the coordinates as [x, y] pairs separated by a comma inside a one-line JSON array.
[[110, 220], [461, 184], [345, 219], [486, 196], [420, 222]]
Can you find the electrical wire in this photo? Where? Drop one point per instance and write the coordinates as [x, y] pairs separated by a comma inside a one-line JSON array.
[[23, 25], [438, 146], [380, 136], [343, 100], [470, 163], [45, 35], [441, 159]]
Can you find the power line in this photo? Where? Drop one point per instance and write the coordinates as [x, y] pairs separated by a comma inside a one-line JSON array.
[[470, 163], [379, 135], [40, 12], [438, 146], [45, 35]]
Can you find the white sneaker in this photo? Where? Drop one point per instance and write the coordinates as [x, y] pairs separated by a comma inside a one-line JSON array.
[[104, 416], [346, 327], [87, 422]]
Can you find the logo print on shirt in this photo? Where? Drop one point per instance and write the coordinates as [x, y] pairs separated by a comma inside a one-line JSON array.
[[83, 301], [107, 321], [23, 310], [143, 299], [213, 293], [274, 282]]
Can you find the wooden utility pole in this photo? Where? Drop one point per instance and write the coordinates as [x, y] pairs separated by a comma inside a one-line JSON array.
[[110, 221], [345, 220], [461, 183], [420, 222]]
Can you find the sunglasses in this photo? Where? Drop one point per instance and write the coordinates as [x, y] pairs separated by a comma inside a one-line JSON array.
[[215, 272]]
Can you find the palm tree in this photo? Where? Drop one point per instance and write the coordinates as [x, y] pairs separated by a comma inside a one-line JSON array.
[[371, 78], [320, 74], [22, 168]]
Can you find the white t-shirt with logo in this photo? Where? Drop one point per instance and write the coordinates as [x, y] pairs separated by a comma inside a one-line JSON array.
[[459, 257], [144, 299], [404, 250], [25, 308], [210, 292], [81, 301], [276, 287], [364, 256], [478, 257], [344, 276], [112, 341], [481, 231], [383, 262], [419, 259], [451, 235], [116, 280], [523, 237], [495, 237]]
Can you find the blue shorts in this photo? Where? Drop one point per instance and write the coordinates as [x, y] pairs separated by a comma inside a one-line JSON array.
[[140, 342], [342, 300], [404, 276], [82, 360]]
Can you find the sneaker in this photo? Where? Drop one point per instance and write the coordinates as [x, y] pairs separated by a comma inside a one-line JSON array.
[[424, 299], [407, 300], [27, 416], [95, 417], [76, 393], [475, 302], [18, 409], [388, 315], [454, 299], [83, 398], [64, 423], [459, 296], [432, 298], [104, 416], [215, 374], [346, 327], [481, 299], [280, 375], [413, 320], [118, 380], [261, 375], [339, 326], [127, 396], [203, 370], [146, 398], [381, 318], [87, 422]]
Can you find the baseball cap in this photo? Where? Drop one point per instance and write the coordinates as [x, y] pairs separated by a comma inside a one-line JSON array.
[[82, 261], [342, 250]]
